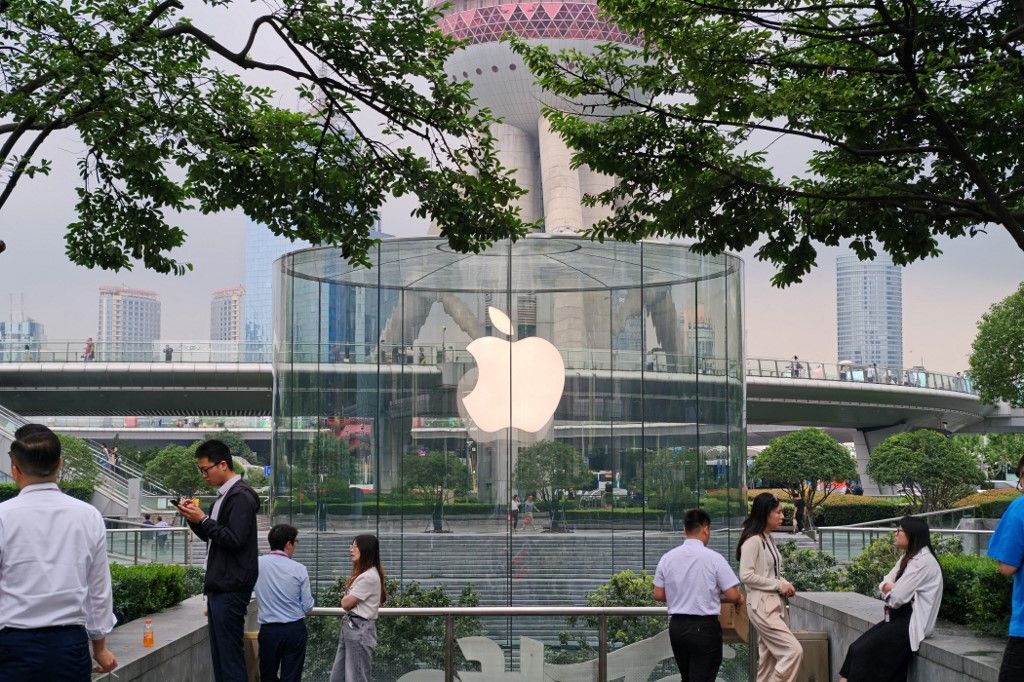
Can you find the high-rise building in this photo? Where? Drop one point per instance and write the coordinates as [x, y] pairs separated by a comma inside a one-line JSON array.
[[869, 311], [19, 340], [262, 247], [129, 322], [226, 306]]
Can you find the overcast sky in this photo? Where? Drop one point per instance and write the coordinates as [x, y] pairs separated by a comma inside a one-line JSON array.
[[943, 298]]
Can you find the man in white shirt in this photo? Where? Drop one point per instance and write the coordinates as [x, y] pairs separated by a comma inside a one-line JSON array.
[[55, 591], [694, 580]]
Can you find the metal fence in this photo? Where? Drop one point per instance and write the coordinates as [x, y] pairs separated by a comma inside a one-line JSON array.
[[130, 543]]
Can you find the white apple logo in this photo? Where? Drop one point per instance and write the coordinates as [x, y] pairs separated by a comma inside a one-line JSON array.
[[519, 384]]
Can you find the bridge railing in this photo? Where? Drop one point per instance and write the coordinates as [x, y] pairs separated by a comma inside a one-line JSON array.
[[132, 543], [866, 374], [657, 360]]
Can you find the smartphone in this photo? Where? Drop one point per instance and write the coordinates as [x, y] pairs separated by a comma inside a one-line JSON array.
[[175, 501]]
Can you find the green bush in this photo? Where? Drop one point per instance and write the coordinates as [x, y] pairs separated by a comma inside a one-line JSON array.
[[403, 644], [195, 578], [145, 589], [845, 510], [810, 570], [989, 504], [975, 593], [82, 490]]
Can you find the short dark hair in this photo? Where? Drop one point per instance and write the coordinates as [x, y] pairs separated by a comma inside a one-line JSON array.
[[26, 429], [280, 535], [695, 519], [37, 453], [1020, 465], [215, 451]]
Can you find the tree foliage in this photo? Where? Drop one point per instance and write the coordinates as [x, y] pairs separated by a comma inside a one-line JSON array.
[[926, 467], [167, 125], [324, 463], [434, 474], [550, 465], [801, 461], [997, 355], [79, 461], [175, 468], [672, 478], [998, 453], [910, 112]]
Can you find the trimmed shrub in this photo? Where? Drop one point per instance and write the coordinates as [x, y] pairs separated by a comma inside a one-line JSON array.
[[145, 589], [844, 510], [82, 490], [975, 593], [810, 570], [989, 504]]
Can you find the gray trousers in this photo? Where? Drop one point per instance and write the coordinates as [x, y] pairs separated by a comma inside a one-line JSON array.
[[355, 650]]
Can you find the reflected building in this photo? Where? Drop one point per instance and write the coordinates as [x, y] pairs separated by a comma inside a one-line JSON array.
[[869, 311]]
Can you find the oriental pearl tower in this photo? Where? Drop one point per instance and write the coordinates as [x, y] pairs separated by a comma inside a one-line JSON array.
[[502, 82]]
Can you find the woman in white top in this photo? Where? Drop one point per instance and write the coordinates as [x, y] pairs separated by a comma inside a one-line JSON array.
[[778, 651], [913, 592], [364, 593]]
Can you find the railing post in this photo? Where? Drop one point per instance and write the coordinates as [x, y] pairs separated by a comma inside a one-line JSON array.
[[602, 648], [752, 655], [135, 546], [449, 648]]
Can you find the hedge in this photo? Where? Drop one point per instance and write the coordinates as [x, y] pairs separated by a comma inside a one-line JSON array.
[[975, 593], [839, 509], [82, 490], [145, 589], [989, 504]]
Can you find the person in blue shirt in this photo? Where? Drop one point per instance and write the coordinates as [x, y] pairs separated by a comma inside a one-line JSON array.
[[1007, 547], [284, 599]]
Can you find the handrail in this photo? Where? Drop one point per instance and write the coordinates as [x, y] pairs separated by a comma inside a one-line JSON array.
[[880, 529], [504, 611]]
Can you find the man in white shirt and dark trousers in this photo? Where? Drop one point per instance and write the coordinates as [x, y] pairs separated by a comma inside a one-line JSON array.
[[55, 592], [232, 561], [284, 598], [694, 580]]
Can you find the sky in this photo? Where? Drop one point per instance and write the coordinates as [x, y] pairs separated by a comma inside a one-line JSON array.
[[943, 298]]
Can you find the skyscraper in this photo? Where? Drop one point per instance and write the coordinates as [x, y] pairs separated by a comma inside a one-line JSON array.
[[226, 306], [129, 322], [18, 335], [262, 247], [869, 311]]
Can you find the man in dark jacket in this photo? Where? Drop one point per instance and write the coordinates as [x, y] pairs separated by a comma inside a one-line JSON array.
[[232, 562]]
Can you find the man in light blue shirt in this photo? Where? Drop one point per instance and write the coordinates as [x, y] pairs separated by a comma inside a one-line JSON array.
[[694, 580], [1007, 547], [284, 598]]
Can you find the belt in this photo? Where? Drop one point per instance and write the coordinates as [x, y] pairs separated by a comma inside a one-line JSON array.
[[355, 617], [692, 616], [51, 628]]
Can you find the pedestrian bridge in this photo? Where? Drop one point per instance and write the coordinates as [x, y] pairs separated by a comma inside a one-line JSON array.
[[217, 378]]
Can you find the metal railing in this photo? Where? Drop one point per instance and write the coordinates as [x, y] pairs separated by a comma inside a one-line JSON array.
[[845, 543], [137, 544], [917, 377], [637, 660]]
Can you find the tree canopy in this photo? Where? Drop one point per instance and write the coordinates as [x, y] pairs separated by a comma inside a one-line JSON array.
[[175, 468], [801, 461], [79, 461], [166, 123], [997, 355], [927, 467], [548, 466], [672, 478], [433, 474], [911, 113]]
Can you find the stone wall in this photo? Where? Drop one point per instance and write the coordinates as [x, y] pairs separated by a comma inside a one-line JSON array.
[[181, 652], [950, 654]]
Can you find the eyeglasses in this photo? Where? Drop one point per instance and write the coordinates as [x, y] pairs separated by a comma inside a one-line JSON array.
[[203, 470]]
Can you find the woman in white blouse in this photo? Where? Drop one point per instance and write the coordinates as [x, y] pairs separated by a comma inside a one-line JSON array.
[[913, 592]]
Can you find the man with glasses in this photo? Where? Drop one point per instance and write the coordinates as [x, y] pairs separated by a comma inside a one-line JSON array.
[[232, 558], [1007, 547]]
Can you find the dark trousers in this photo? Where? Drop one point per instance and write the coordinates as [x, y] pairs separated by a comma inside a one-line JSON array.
[[60, 654], [697, 646], [226, 618], [1013, 661], [282, 647]]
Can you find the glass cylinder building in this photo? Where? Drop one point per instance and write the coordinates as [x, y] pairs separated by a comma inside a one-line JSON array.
[[529, 420]]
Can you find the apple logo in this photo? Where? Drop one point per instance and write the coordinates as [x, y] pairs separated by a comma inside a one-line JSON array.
[[519, 383]]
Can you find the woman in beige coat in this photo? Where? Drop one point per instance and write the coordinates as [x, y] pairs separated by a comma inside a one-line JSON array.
[[778, 651]]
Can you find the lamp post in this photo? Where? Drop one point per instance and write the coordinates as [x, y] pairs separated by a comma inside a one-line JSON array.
[[443, 330]]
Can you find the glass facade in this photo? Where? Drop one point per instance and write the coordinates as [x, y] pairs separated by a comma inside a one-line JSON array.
[[426, 398], [869, 312]]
